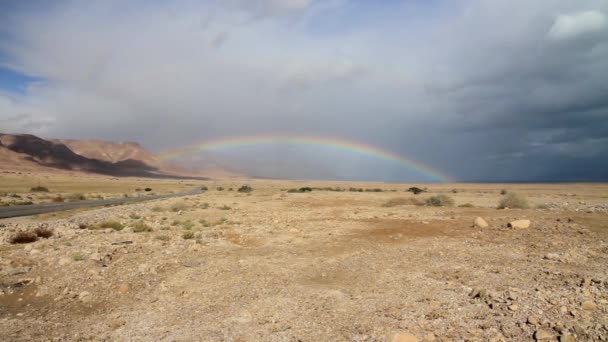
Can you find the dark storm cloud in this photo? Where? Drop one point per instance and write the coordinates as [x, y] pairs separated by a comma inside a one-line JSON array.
[[502, 90]]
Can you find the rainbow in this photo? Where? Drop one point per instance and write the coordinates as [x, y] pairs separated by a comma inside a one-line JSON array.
[[348, 145]]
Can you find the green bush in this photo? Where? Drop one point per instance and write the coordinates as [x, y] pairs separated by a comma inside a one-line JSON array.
[[415, 190], [514, 201], [440, 201]]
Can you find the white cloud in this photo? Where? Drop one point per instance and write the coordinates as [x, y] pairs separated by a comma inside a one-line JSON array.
[[573, 25]]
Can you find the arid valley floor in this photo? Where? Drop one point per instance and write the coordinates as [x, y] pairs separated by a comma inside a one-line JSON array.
[[269, 265]]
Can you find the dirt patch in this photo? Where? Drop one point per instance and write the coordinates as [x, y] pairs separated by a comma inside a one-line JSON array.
[[394, 231]]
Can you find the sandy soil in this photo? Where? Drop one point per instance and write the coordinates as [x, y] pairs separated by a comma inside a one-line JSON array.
[[318, 266]]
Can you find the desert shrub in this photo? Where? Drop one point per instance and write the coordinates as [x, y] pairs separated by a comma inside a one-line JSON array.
[[440, 201], [163, 237], [513, 200], [374, 190], [245, 189], [187, 225], [204, 206], [23, 237], [76, 197], [188, 235], [83, 226], [219, 222], [157, 209], [24, 203], [454, 191], [225, 207], [110, 224], [503, 191], [148, 189], [415, 190], [179, 207], [466, 205], [134, 216], [543, 206], [204, 188], [141, 227], [219, 188], [43, 232], [78, 257], [58, 199], [393, 202], [39, 189]]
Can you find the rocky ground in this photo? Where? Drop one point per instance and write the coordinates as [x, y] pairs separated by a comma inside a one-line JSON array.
[[320, 266]]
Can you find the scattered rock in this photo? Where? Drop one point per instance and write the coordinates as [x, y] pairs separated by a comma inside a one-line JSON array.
[[520, 224], [513, 307], [589, 305], [123, 288], [542, 334], [481, 223], [552, 256], [533, 320], [64, 261], [84, 296], [430, 337], [403, 337], [117, 323], [567, 338]]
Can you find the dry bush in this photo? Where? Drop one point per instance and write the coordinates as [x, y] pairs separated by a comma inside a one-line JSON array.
[[440, 201], [58, 199], [39, 189], [181, 206], [393, 202], [514, 201], [43, 232], [23, 237], [466, 205], [188, 235], [245, 189], [76, 197]]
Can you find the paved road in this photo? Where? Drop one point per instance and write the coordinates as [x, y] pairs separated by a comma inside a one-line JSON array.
[[27, 210]]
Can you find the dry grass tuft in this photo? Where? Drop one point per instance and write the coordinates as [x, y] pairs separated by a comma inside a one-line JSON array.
[[110, 224], [141, 227]]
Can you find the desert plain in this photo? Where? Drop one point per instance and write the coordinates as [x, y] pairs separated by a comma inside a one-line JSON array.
[[273, 265]]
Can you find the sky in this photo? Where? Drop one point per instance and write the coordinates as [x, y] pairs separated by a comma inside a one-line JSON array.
[[480, 90]]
